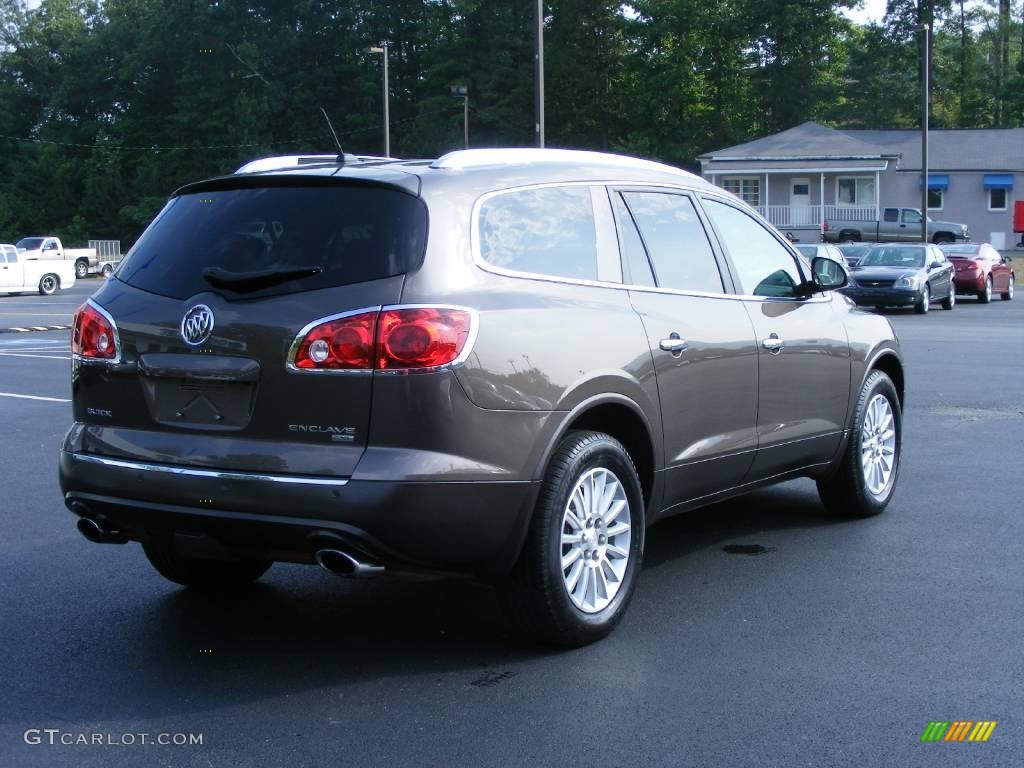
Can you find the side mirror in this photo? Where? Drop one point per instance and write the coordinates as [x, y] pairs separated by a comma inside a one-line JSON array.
[[935, 265], [828, 275]]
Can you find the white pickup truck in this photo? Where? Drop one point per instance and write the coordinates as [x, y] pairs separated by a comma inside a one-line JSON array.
[[19, 275], [99, 258]]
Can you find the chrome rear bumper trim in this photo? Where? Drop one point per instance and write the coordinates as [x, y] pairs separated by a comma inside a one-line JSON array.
[[217, 474]]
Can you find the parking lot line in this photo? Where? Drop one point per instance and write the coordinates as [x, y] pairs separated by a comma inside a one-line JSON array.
[[35, 397], [41, 357]]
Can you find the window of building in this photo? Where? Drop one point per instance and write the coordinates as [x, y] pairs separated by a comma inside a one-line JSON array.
[[935, 199], [746, 188], [855, 190], [997, 199], [547, 231]]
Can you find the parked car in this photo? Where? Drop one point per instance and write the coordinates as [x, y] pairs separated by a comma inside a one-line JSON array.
[[20, 275], [578, 345], [896, 225], [101, 257], [853, 252], [903, 275], [981, 270]]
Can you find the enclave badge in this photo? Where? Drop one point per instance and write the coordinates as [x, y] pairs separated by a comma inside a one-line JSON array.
[[197, 324]]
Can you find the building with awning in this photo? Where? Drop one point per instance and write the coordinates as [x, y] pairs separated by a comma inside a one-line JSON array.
[[800, 178]]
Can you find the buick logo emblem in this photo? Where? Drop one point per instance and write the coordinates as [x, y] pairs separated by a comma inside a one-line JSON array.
[[197, 324]]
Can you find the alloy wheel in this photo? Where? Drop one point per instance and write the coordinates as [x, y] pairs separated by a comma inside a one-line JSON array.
[[595, 541], [878, 445]]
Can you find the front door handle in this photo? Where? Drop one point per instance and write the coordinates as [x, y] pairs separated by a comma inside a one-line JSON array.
[[773, 344], [673, 344]]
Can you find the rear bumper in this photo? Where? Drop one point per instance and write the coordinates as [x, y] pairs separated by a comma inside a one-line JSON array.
[[473, 527], [969, 283]]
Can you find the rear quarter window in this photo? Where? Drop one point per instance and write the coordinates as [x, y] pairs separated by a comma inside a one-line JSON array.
[[351, 233], [547, 231]]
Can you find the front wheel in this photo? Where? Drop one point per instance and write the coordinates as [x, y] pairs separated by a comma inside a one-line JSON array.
[[48, 285], [865, 479], [582, 554], [203, 574], [924, 302], [1008, 294]]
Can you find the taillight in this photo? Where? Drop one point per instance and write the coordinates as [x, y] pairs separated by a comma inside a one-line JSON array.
[[93, 336], [338, 345], [824, 225], [393, 339], [421, 337]]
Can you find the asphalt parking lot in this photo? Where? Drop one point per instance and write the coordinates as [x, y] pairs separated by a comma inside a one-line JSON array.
[[834, 647]]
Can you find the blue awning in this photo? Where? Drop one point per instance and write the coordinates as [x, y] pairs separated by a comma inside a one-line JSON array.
[[998, 181], [935, 181]]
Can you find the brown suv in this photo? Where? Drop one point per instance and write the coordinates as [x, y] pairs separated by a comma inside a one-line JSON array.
[[507, 363]]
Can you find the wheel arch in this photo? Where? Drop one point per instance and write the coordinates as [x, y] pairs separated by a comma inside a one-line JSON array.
[[888, 362]]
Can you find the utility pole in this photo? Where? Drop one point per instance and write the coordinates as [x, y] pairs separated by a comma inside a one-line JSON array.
[[538, 76], [462, 91], [383, 50], [924, 131]]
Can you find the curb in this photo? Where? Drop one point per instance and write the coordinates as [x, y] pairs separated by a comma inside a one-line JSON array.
[[35, 328]]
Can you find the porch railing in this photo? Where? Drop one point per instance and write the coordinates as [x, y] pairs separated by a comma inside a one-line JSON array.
[[811, 215]]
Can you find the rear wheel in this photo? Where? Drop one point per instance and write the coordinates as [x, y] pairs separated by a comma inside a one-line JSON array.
[[107, 270], [582, 555], [849, 236], [200, 573], [924, 301], [81, 269], [48, 285], [1008, 294], [985, 295], [864, 482], [950, 301]]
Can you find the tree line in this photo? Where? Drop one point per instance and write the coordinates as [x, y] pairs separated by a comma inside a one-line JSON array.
[[106, 107]]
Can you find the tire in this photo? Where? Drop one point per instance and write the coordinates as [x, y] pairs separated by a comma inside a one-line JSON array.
[[203, 574], [924, 302], [943, 239], [950, 301], [538, 590], [48, 284], [1008, 295], [849, 236], [81, 269], [107, 271], [852, 491], [985, 295]]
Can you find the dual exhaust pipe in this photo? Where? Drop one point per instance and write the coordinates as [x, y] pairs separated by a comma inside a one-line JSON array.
[[346, 564], [98, 533]]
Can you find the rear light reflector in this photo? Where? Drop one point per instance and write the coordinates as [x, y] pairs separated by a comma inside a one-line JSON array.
[[421, 337], [392, 339], [339, 345], [93, 336]]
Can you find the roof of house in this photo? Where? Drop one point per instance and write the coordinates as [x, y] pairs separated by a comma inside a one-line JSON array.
[[966, 149]]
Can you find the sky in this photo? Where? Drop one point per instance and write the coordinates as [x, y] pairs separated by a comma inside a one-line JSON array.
[[869, 10]]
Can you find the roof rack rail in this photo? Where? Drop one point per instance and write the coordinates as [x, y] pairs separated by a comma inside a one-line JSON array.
[[481, 158]]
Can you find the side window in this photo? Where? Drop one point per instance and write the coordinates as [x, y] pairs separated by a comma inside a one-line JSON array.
[[636, 269], [764, 266], [911, 217], [549, 231], [676, 241], [892, 214], [12, 255]]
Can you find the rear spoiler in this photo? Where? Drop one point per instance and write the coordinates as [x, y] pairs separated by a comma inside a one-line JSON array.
[[385, 177]]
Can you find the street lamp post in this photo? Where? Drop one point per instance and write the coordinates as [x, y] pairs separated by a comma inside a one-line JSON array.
[[462, 91], [538, 76], [925, 186], [383, 50]]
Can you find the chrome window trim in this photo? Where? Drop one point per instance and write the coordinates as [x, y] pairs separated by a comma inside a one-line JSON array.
[[215, 474], [486, 266], [474, 328], [609, 257], [117, 340]]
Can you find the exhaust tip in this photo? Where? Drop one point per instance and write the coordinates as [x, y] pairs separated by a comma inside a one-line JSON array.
[[97, 534], [343, 564]]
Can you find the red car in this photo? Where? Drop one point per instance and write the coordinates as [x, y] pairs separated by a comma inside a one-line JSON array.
[[980, 271]]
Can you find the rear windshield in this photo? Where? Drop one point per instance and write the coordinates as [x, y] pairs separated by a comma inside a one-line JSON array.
[[345, 234]]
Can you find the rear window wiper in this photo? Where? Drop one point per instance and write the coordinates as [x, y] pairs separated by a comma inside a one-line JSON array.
[[244, 282]]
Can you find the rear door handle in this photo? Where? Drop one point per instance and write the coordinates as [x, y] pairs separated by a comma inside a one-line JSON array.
[[673, 344], [773, 343]]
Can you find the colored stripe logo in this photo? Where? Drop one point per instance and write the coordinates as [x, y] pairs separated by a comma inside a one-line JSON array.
[[959, 730]]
